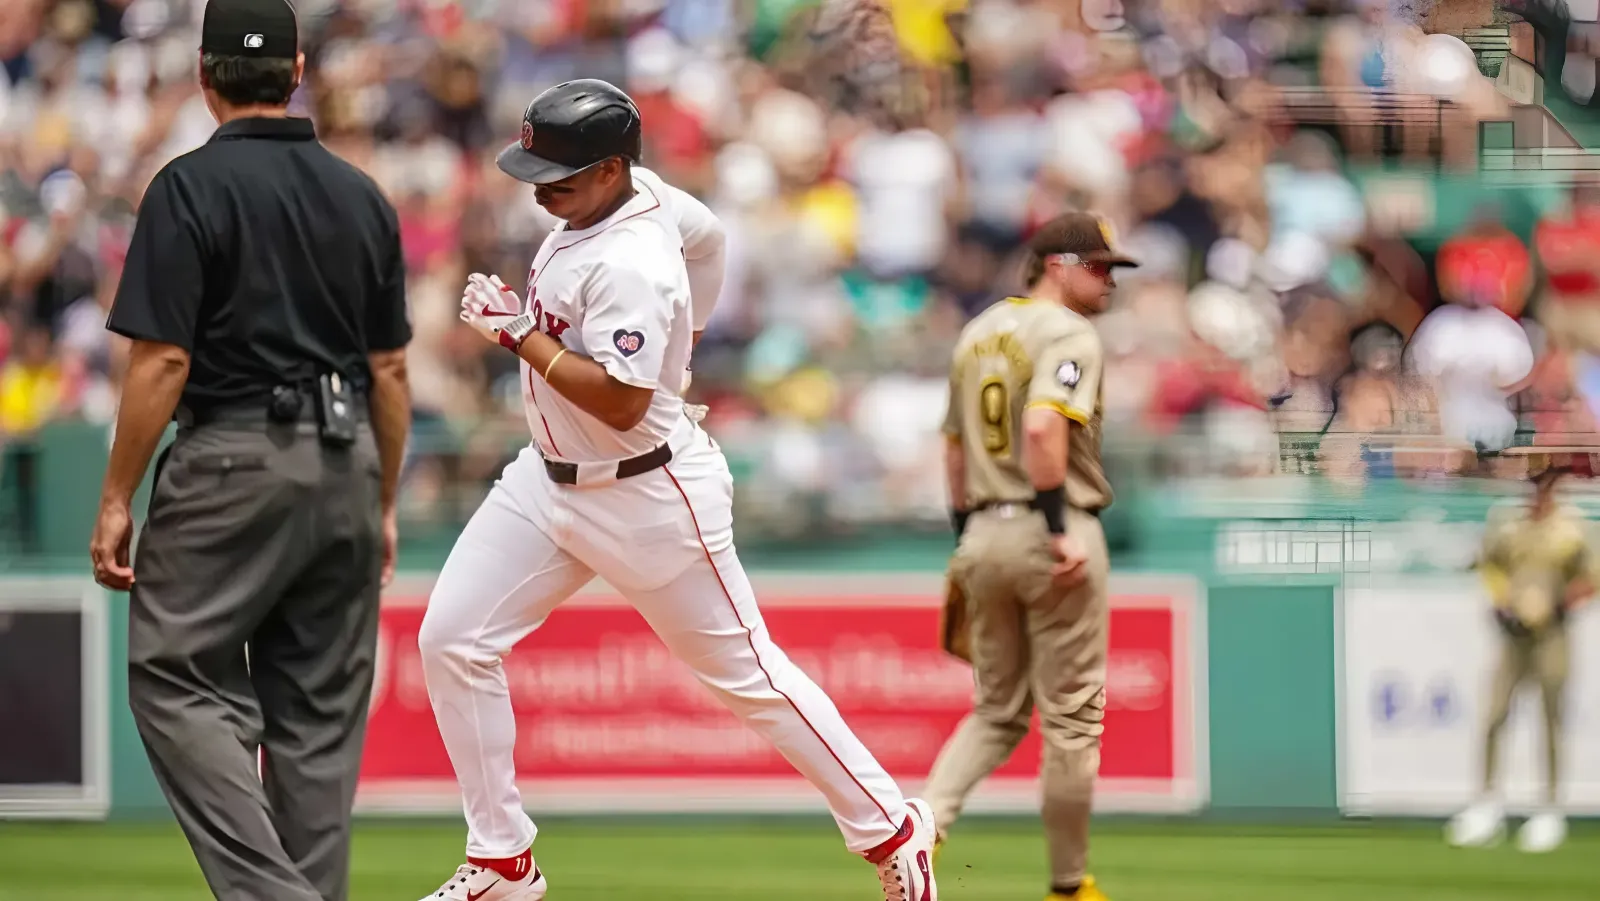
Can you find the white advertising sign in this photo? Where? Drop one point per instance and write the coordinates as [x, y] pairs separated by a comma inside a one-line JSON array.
[[1418, 659]]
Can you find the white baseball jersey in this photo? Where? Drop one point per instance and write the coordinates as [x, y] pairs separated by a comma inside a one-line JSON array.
[[628, 292]]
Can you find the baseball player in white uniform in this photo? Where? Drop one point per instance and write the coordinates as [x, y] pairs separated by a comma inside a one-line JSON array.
[[620, 483]]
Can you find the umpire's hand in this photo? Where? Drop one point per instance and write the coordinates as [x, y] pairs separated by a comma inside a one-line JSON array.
[[108, 549], [391, 546]]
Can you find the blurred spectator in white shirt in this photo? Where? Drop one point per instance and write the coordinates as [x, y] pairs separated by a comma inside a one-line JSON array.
[[1307, 193], [904, 179], [1000, 143], [1473, 358]]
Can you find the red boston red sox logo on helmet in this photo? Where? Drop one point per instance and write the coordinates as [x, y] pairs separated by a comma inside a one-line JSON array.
[[527, 136]]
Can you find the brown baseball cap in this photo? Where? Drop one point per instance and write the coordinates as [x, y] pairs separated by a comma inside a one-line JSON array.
[[1086, 235]]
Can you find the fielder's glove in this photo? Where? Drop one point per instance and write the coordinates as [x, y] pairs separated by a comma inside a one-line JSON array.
[[955, 622], [1511, 624], [494, 310]]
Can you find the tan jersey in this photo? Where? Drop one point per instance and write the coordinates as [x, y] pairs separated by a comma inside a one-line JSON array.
[[1528, 564], [1023, 353]]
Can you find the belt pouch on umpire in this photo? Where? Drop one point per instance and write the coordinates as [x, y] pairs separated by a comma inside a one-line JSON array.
[[336, 411]]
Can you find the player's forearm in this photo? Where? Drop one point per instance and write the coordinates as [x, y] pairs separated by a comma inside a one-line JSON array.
[[706, 275], [955, 475], [391, 417], [955, 472], [1044, 447], [585, 383], [150, 392]]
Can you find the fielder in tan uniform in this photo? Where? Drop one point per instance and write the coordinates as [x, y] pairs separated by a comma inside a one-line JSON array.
[[1538, 564], [1030, 572]]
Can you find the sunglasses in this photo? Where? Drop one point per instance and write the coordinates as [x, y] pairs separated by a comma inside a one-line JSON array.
[[1095, 268]]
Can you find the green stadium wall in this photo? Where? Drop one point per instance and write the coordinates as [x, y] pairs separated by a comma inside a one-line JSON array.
[[1273, 557]]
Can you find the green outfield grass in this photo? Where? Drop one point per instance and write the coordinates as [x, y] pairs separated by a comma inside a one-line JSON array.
[[802, 861]]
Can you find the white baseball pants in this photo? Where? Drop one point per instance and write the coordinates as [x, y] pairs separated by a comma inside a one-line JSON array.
[[664, 540]]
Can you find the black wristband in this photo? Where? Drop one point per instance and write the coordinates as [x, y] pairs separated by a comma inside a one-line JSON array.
[[1052, 502], [958, 520]]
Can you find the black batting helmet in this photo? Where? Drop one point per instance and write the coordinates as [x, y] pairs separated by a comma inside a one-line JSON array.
[[571, 127]]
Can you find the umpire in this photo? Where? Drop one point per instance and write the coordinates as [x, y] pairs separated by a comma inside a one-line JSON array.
[[264, 293]]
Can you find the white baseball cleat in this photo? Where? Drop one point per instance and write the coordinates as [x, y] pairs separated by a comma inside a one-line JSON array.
[[906, 871], [1543, 833], [474, 883], [1480, 825]]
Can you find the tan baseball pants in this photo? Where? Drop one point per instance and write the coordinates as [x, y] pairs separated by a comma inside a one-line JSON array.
[[1033, 645], [1542, 658]]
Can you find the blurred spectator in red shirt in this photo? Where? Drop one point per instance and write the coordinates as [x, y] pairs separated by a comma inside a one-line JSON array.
[[1485, 265]]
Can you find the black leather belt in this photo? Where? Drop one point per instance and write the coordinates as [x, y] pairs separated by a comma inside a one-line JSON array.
[[252, 414], [567, 473]]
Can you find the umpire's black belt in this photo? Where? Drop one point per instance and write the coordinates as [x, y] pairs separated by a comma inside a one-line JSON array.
[[253, 414], [563, 473]]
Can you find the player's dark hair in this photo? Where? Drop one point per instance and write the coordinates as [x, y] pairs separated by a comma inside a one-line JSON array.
[[1052, 238], [248, 80], [1033, 269]]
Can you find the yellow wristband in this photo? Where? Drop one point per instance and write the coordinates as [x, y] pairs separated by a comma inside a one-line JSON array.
[[552, 363]]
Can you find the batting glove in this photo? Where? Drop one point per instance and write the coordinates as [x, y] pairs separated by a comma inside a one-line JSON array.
[[492, 309], [491, 294]]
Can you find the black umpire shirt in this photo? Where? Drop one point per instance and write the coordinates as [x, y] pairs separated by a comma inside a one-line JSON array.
[[267, 258]]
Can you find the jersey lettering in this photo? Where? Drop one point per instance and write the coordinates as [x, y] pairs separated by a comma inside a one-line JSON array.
[[994, 406], [619, 294], [1022, 354], [549, 323]]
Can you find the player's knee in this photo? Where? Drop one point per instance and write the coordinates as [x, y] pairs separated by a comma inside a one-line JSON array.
[[440, 639], [1073, 725], [1071, 734], [1008, 722], [1072, 728]]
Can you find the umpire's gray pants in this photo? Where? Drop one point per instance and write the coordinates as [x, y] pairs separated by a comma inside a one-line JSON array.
[[258, 537]]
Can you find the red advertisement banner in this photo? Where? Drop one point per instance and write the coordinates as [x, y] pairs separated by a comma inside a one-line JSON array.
[[608, 720]]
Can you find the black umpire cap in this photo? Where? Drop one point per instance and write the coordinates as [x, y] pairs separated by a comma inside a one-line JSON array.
[[571, 127], [259, 28]]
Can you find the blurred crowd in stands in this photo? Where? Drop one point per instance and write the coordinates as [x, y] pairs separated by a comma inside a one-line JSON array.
[[877, 163]]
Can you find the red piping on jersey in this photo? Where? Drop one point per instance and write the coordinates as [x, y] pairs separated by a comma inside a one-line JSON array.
[[750, 638], [535, 398], [533, 292]]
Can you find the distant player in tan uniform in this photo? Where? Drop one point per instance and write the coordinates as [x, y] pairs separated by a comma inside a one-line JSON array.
[[1538, 562], [1026, 489]]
